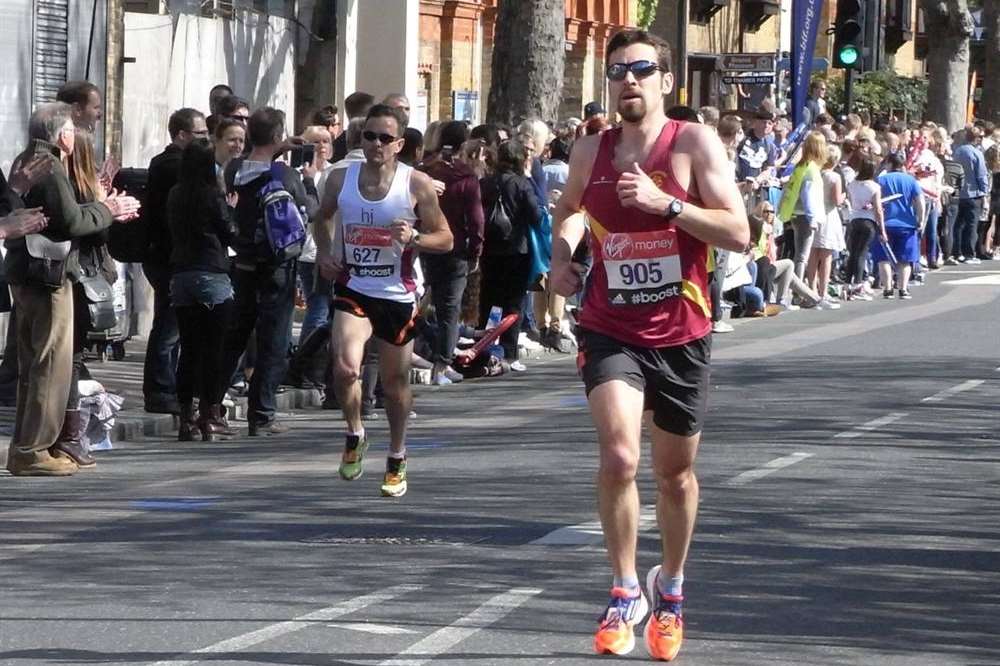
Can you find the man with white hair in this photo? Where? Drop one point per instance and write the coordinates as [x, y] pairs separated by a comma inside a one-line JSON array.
[[36, 269]]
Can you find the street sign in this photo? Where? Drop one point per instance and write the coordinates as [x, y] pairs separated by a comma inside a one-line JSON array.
[[745, 62], [750, 78]]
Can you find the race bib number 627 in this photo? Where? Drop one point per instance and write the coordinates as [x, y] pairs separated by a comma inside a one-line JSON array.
[[643, 267]]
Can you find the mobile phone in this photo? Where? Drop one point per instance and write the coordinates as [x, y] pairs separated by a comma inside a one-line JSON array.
[[304, 154]]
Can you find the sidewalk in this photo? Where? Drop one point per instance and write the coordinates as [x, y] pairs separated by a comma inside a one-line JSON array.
[[134, 424]]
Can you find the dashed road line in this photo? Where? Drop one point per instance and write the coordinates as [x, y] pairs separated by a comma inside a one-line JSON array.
[[589, 533], [769, 468], [273, 631], [442, 640], [941, 396], [870, 426]]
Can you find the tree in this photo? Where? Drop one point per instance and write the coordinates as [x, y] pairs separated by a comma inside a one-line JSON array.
[[949, 27], [881, 93], [990, 107], [529, 53]]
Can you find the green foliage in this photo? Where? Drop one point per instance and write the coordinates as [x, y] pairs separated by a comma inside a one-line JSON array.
[[881, 93], [647, 12]]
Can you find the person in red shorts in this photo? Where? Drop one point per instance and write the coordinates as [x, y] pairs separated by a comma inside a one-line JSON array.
[[655, 193]]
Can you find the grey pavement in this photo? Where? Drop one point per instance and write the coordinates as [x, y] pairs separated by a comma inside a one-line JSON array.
[[850, 481]]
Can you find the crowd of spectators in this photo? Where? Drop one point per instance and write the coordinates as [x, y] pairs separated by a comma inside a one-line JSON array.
[[839, 211]]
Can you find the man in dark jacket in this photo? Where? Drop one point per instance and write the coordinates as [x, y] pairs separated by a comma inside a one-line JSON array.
[[159, 378], [42, 294], [264, 287], [447, 274]]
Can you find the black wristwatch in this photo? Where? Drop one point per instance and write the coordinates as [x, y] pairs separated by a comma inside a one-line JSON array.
[[675, 208]]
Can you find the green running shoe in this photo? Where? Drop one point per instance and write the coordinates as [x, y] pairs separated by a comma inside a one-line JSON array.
[[394, 481], [352, 462]]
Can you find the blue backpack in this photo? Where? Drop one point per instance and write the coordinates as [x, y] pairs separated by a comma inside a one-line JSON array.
[[284, 227]]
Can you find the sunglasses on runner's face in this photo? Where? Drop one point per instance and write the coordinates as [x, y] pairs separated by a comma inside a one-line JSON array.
[[640, 69], [384, 139]]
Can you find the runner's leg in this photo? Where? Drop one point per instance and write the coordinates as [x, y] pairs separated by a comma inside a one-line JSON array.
[[347, 339], [394, 367], [677, 494], [616, 408]]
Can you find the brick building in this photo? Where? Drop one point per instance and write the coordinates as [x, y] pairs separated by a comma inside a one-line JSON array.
[[456, 51]]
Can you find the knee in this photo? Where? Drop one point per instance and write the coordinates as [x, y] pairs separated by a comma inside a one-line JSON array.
[[619, 465], [675, 483], [395, 386], [344, 372]]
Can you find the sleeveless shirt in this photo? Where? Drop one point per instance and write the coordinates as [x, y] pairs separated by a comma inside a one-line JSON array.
[[649, 282], [375, 264]]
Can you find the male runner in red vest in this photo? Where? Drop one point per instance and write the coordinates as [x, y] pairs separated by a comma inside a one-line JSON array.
[[656, 194]]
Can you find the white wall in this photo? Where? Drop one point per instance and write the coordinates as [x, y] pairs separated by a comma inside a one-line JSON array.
[[179, 57], [388, 47]]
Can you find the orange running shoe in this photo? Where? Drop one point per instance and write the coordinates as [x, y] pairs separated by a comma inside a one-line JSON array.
[[665, 629], [625, 610]]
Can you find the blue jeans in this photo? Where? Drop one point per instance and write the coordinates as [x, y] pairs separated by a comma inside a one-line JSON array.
[[446, 275], [265, 299], [317, 291], [159, 376], [931, 232], [967, 226], [751, 296]]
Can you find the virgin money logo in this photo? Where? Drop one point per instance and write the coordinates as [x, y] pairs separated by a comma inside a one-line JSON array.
[[354, 235], [618, 247]]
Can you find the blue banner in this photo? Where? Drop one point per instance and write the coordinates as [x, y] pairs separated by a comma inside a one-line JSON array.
[[806, 16]]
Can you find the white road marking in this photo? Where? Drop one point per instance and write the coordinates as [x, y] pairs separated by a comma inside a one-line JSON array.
[[445, 638], [978, 281], [874, 424], [372, 628], [769, 468], [941, 396], [590, 533], [273, 631]]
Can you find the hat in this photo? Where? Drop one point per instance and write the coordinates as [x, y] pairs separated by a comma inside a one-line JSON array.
[[592, 109]]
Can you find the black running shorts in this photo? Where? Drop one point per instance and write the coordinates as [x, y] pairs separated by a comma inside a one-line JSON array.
[[674, 380], [391, 321]]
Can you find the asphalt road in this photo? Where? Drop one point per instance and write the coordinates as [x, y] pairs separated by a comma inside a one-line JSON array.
[[850, 489]]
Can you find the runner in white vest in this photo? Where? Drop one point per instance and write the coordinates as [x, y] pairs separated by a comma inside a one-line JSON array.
[[385, 214]]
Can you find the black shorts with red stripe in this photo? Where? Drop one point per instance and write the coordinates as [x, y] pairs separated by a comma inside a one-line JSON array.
[[391, 321]]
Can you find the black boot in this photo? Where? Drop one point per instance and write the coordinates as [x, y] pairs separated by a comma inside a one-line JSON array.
[[70, 442], [188, 423]]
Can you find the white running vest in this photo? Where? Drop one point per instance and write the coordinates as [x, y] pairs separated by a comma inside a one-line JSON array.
[[376, 265]]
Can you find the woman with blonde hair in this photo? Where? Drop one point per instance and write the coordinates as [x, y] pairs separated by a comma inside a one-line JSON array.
[[802, 201], [830, 233]]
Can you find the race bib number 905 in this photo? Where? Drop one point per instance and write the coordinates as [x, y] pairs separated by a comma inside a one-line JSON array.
[[369, 251], [643, 267]]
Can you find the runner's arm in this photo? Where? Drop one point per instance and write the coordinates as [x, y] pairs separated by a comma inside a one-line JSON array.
[[326, 227], [723, 220], [435, 234], [568, 227]]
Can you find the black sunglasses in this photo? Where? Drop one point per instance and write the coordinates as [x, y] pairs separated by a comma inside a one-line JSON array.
[[384, 139], [640, 68]]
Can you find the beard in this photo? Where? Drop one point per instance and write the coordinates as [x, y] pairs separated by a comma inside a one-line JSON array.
[[633, 111]]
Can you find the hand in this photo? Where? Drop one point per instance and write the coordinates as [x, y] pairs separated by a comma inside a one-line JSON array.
[[22, 222], [329, 267], [473, 266], [884, 236], [31, 173], [232, 199], [123, 207], [566, 279], [402, 231], [309, 171], [439, 186], [637, 190]]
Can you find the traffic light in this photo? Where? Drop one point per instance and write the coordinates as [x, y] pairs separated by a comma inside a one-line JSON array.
[[849, 35]]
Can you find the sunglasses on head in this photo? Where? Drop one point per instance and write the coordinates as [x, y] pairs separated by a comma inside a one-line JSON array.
[[384, 139], [640, 69]]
